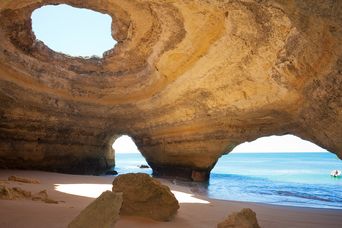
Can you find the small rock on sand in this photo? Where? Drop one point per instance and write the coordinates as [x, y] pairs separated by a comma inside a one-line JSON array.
[[5, 193], [43, 196], [13, 193], [23, 180], [8, 193], [246, 218]]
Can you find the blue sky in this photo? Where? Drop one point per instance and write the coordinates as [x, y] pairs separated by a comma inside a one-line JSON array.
[[73, 31], [82, 32]]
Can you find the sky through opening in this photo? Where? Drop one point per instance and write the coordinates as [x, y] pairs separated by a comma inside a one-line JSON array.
[[73, 31]]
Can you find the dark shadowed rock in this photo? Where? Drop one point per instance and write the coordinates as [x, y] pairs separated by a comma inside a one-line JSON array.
[[246, 218], [145, 196], [103, 212], [111, 172]]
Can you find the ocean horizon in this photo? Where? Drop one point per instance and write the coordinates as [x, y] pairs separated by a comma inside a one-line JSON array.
[[291, 179]]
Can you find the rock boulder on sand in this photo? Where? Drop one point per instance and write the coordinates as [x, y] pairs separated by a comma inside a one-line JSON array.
[[43, 196], [8, 193], [145, 196], [246, 218], [101, 213], [23, 180]]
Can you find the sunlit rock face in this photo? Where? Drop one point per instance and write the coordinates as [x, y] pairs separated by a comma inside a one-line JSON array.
[[188, 80]]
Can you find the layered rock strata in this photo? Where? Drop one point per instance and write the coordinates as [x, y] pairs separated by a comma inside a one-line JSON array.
[[188, 80]]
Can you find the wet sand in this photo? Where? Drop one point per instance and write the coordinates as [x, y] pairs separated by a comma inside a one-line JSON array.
[[196, 210]]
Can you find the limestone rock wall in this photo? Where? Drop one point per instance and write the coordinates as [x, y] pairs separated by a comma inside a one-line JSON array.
[[188, 80]]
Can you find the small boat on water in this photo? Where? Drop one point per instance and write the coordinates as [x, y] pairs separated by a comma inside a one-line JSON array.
[[335, 173]]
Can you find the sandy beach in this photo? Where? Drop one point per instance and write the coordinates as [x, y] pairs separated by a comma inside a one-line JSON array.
[[75, 192]]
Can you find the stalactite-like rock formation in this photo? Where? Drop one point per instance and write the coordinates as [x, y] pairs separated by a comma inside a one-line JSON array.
[[188, 80]]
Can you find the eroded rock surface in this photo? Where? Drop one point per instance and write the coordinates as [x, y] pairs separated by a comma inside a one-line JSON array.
[[246, 218], [188, 80], [145, 196], [103, 212]]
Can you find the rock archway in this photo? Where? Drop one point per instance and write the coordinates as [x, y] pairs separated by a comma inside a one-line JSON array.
[[189, 80]]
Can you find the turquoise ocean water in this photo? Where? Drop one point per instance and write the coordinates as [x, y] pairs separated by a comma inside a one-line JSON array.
[[293, 179]]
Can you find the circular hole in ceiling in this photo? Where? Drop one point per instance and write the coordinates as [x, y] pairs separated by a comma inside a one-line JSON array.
[[73, 31]]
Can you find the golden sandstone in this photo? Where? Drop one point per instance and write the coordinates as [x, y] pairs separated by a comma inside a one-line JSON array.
[[188, 80]]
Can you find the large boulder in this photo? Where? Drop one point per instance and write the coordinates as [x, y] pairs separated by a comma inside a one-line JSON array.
[[101, 213], [145, 196], [246, 218]]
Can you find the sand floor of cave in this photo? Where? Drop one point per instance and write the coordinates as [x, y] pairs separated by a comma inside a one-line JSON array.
[[195, 210]]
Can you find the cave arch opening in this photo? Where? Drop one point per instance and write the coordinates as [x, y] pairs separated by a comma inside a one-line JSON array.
[[282, 170], [76, 32], [127, 156]]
